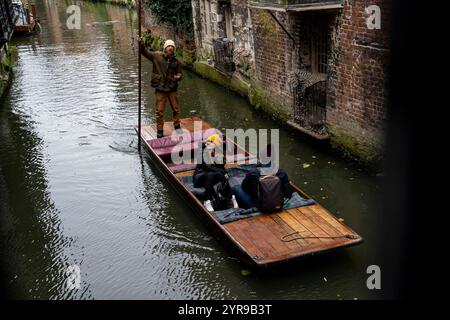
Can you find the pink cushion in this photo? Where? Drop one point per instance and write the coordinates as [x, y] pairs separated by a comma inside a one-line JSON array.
[[168, 150], [164, 146]]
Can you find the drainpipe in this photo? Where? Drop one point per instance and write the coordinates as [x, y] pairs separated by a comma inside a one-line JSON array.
[[281, 25]]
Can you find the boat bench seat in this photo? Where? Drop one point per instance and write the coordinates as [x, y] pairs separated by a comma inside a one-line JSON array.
[[230, 159]]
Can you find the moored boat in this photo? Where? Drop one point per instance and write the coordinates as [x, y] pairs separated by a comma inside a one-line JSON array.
[[302, 228], [26, 20]]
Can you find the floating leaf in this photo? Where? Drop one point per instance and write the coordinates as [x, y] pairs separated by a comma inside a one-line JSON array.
[[341, 220], [306, 165], [245, 272]]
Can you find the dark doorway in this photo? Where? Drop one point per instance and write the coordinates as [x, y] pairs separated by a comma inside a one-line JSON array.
[[310, 93]]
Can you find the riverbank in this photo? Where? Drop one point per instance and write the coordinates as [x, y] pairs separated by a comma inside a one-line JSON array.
[[8, 57]]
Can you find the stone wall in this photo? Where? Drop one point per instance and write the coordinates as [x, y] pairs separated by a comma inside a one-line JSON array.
[[241, 29]]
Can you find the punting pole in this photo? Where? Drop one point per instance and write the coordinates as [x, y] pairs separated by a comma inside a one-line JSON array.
[[139, 7]]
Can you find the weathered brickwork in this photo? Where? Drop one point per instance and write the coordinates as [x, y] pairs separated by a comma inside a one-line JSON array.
[[273, 56], [359, 61], [356, 59]]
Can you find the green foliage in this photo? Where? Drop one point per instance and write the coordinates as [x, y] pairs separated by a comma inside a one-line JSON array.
[[156, 43], [9, 59], [205, 54], [176, 12]]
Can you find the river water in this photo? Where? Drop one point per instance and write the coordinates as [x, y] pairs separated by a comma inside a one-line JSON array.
[[74, 191]]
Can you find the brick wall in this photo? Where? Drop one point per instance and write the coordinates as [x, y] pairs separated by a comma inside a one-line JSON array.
[[358, 62], [358, 75], [273, 57], [358, 65]]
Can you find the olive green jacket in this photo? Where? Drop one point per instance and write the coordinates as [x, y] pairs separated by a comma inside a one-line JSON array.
[[164, 70]]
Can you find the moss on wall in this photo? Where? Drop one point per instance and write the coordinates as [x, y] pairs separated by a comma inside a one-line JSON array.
[[261, 100], [250, 89], [365, 152], [213, 74], [7, 63], [265, 20]]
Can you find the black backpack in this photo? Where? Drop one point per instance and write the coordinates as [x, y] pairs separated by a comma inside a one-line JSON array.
[[266, 191], [270, 193], [222, 196]]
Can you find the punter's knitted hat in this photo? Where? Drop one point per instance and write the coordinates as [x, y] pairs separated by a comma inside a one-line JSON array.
[[169, 43]]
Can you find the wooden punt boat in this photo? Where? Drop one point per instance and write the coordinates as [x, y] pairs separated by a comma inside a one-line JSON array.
[[26, 21], [266, 239]]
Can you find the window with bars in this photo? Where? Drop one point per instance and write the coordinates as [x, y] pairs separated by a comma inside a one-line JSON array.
[[319, 45]]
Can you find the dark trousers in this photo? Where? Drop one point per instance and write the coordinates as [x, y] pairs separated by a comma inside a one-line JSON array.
[[207, 180]]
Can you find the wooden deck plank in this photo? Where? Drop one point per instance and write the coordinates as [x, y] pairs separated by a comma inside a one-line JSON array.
[[299, 227], [278, 230], [146, 133], [321, 222], [332, 220], [240, 236], [262, 227], [242, 230], [254, 233], [315, 229], [288, 230]]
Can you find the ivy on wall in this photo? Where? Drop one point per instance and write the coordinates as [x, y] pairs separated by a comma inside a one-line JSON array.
[[176, 12]]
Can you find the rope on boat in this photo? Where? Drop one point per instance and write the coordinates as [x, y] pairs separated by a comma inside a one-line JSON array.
[[283, 238]]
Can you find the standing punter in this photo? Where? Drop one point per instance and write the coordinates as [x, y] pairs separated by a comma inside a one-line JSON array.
[[165, 77]]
